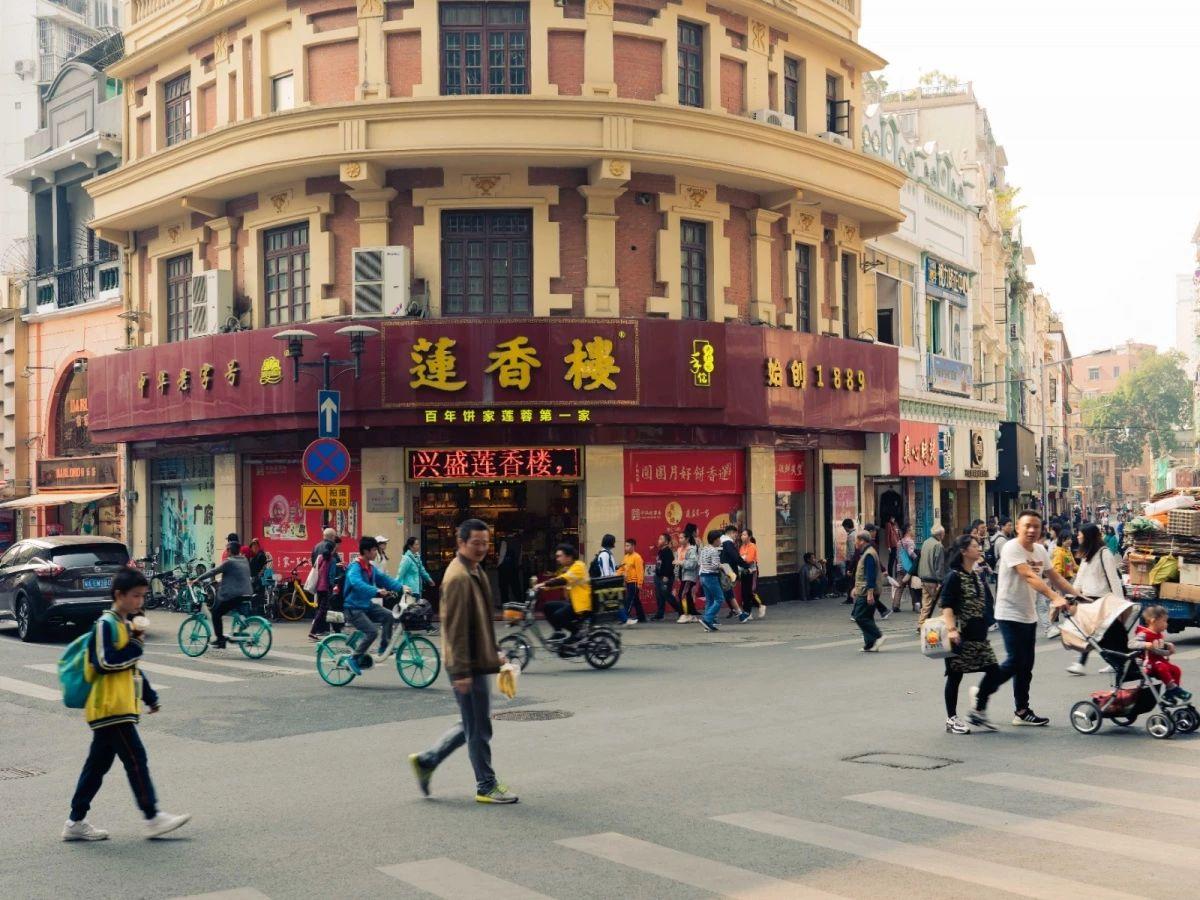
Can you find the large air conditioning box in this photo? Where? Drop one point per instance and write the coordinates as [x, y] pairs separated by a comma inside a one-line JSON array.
[[212, 301], [774, 117], [834, 138], [381, 281]]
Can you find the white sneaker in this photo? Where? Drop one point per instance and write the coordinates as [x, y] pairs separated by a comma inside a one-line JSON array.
[[630, 623], [1077, 669], [82, 831], [762, 611], [163, 823], [1052, 632], [1107, 670]]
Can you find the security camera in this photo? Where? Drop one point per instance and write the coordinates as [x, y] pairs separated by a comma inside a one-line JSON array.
[[79, 366]]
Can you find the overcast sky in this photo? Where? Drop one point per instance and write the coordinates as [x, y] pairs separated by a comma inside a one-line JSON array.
[[1095, 104]]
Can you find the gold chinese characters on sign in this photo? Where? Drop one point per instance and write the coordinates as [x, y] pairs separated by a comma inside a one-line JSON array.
[[925, 451], [798, 370], [591, 365], [506, 416], [435, 365], [514, 361], [272, 373], [702, 363]]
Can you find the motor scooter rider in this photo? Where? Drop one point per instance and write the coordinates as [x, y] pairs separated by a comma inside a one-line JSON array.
[[569, 615]]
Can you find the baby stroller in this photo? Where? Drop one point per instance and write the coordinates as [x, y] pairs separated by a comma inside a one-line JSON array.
[[1098, 625]]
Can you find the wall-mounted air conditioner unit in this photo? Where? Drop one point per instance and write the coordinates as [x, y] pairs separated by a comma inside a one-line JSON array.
[[381, 281], [24, 67], [212, 301], [834, 138], [774, 117]]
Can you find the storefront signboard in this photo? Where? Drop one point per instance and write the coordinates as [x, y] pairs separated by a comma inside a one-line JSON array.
[[684, 472], [948, 376], [947, 281], [946, 451], [789, 470], [383, 500], [77, 471], [978, 455], [915, 450], [843, 485], [496, 464], [185, 503]]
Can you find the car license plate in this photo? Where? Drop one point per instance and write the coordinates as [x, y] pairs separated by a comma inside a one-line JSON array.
[[97, 583]]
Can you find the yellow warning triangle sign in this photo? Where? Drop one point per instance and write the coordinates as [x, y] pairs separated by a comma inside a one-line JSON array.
[[312, 498]]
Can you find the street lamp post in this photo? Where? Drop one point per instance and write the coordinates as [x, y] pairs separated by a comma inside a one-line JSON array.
[[295, 338]]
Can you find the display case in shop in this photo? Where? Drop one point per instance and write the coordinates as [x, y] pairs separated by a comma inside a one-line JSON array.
[[543, 513], [787, 533]]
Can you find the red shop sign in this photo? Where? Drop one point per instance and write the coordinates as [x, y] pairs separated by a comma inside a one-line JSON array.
[[789, 470], [915, 450], [684, 471], [491, 463]]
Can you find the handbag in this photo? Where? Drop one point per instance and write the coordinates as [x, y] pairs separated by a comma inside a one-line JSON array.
[[935, 639], [314, 575], [725, 577]]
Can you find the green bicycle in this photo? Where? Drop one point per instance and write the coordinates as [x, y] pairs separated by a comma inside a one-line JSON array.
[[252, 634], [418, 661]]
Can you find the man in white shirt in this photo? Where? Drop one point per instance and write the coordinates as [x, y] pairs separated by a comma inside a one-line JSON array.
[[1023, 564]]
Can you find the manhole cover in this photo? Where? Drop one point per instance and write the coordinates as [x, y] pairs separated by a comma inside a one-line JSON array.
[[19, 772], [532, 715], [902, 761]]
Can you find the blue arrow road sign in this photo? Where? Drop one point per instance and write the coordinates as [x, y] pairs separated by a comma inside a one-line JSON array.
[[329, 414], [326, 461]]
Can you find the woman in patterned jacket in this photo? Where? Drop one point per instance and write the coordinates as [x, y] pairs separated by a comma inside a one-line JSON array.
[[964, 610]]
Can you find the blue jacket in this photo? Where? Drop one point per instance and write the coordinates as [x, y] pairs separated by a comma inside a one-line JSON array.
[[413, 574], [361, 587]]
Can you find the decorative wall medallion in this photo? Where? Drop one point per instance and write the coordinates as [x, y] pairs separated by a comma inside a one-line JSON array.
[[849, 232], [370, 8], [281, 200], [599, 6], [758, 36], [173, 233], [616, 168], [696, 195], [806, 221], [221, 42], [485, 184], [353, 170]]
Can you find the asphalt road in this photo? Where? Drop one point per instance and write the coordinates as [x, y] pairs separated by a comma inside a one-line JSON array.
[[699, 766]]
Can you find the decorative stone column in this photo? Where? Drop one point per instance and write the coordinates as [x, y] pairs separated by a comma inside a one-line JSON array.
[[227, 492], [760, 506], [762, 301], [598, 79], [603, 507], [607, 181], [758, 41], [372, 57], [365, 180]]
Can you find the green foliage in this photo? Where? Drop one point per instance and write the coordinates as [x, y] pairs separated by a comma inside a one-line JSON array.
[[935, 78], [1143, 409], [1007, 208], [875, 87]]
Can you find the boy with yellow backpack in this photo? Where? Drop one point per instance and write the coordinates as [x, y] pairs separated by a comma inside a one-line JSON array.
[[102, 666]]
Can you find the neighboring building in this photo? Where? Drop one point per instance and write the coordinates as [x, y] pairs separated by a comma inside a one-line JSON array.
[[952, 116], [1055, 411], [670, 339], [926, 299], [1187, 338], [71, 302]]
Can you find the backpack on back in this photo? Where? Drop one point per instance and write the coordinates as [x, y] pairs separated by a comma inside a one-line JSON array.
[[594, 570], [72, 674]]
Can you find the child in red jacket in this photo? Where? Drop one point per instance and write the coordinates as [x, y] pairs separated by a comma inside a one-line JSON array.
[[1151, 638]]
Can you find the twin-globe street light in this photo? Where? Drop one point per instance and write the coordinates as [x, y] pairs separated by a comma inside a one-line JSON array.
[[295, 338]]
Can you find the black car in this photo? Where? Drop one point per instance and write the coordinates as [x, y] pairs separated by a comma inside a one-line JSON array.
[[55, 580]]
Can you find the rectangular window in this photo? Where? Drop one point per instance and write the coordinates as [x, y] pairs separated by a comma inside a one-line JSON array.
[[793, 90], [1094, 373], [691, 64], [956, 331], [933, 325], [1116, 371], [804, 288], [177, 94], [693, 276], [179, 297], [1053, 390], [849, 323], [487, 263], [283, 92], [887, 309], [485, 48], [112, 88], [285, 273], [837, 110]]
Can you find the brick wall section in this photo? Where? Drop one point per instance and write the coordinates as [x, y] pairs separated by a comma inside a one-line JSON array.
[[316, 7], [145, 145], [207, 101], [737, 230], [210, 252], [143, 264], [403, 63], [329, 21], [733, 86], [642, 12], [637, 243], [731, 20], [829, 268], [332, 72], [343, 224], [396, 10], [572, 232], [637, 65], [574, 9], [566, 61], [405, 216], [141, 80]]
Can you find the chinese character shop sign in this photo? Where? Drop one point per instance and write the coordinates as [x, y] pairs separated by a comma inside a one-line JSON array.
[[489, 463], [915, 450], [946, 281]]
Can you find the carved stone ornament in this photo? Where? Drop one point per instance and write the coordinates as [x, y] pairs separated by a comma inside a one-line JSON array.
[[806, 221], [616, 169], [485, 184], [173, 233], [353, 170], [849, 232], [221, 43], [695, 195], [369, 8], [281, 200], [599, 7], [758, 36]]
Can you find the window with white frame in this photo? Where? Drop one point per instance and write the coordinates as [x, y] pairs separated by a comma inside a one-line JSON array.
[[283, 94]]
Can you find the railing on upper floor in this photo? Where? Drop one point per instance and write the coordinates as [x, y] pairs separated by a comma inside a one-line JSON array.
[[94, 280], [143, 8]]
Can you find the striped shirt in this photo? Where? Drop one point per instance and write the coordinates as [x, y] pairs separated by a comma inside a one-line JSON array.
[[710, 560]]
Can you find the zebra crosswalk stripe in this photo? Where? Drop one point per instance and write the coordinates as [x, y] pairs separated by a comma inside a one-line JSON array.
[[242, 893], [980, 872], [28, 689], [1129, 764], [52, 668], [245, 665], [1149, 850], [309, 658], [706, 874], [190, 674], [1089, 793], [849, 643], [454, 881]]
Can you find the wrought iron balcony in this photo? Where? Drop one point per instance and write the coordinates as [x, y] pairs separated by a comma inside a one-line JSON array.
[[95, 280]]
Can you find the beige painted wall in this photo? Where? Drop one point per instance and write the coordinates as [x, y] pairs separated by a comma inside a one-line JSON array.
[[383, 467], [603, 504]]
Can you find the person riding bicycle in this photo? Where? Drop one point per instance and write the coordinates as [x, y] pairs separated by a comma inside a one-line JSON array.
[[236, 587], [569, 616], [364, 582]]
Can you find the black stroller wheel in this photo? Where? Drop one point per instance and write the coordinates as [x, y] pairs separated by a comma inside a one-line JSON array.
[[1186, 719], [1086, 717], [1160, 726]]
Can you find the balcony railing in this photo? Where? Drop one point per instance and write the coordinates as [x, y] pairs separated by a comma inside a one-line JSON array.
[[144, 8], [78, 285], [107, 123]]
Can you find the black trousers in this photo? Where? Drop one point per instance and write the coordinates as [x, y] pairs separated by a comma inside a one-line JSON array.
[[108, 743], [510, 584], [633, 600], [220, 608], [561, 615], [662, 593]]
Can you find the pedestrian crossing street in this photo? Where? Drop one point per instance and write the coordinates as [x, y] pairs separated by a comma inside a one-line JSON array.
[[165, 666], [1100, 861]]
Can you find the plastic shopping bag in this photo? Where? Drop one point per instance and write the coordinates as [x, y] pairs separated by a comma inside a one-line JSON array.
[[935, 639], [506, 681]]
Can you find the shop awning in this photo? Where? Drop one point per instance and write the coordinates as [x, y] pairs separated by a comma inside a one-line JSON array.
[[56, 498]]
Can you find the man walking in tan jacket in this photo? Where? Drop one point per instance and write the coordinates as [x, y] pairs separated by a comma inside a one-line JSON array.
[[470, 655]]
